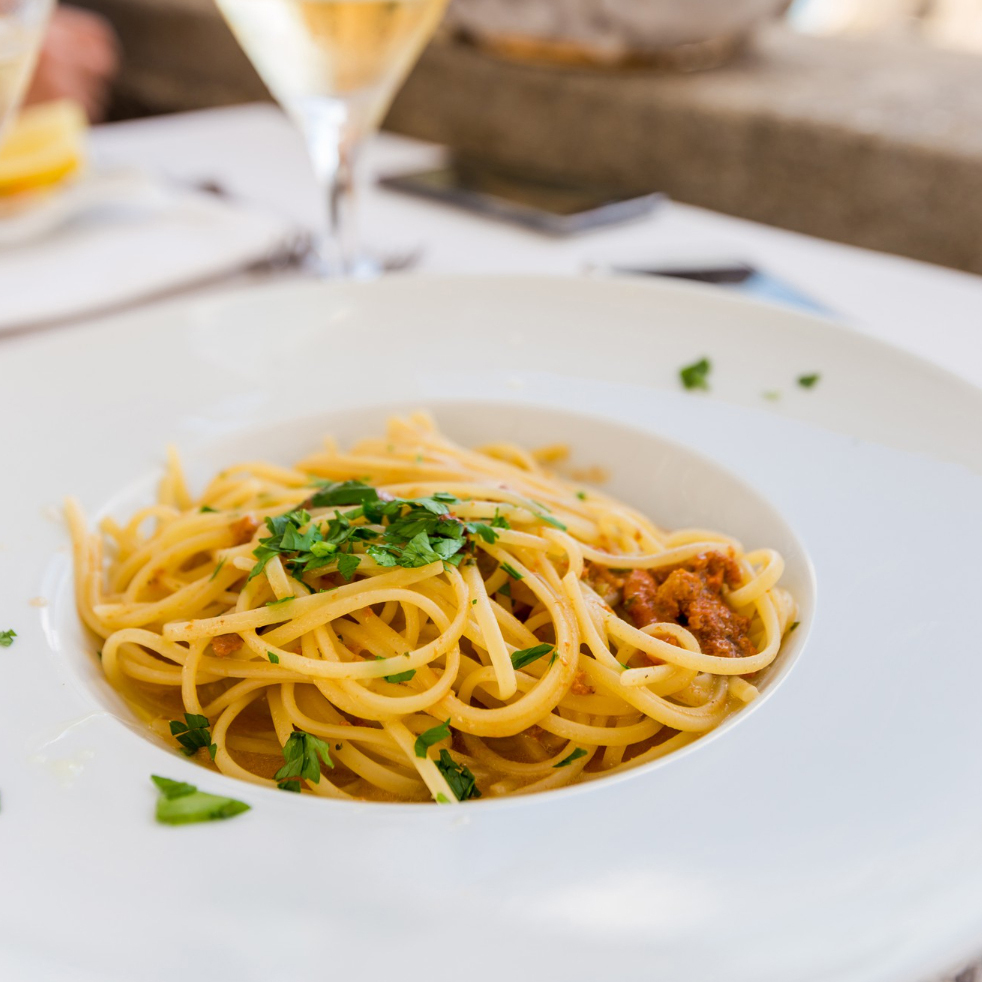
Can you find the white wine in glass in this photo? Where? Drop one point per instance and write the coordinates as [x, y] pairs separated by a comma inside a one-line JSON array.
[[22, 24], [334, 66]]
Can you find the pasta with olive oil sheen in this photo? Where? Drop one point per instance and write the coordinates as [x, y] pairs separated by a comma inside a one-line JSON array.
[[410, 620]]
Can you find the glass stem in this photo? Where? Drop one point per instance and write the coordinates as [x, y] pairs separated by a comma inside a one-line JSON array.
[[333, 144]]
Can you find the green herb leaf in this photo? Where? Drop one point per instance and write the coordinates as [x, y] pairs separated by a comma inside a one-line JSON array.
[[499, 521], [204, 509], [181, 804], [7, 638], [301, 755], [172, 789], [793, 626], [486, 532], [401, 676], [282, 600], [426, 739], [696, 375], [193, 734], [581, 495], [807, 381], [335, 493], [460, 778], [442, 799], [218, 569], [347, 564], [528, 655], [575, 755], [273, 657], [549, 520], [512, 572], [505, 589]]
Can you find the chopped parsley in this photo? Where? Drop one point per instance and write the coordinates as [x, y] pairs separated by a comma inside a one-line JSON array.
[[528, 655], [505, 589], [180, 803], [442, 799], [273, 657], [575, 755], [193, 734], [301, 754], [282, 600], [421, 531], [414, 532], [317, 548], [696, 375], [427, 738], [399, 676], [581, 495], [512, 572], [204, 509], [549, 520], [793, 626], [333, 494], [808, 381], [218, 569], [460, 778], [7, 638]]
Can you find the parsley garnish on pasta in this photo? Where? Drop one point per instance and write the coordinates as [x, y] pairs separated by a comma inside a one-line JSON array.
[[528, 655], [301, 754], [193, 734], [434, 735], [460, 779]]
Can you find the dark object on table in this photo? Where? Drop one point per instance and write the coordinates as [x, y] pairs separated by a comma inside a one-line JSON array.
[[546, 206], [738, 275]]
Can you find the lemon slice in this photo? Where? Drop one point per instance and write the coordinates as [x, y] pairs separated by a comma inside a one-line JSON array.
[[43, 145]]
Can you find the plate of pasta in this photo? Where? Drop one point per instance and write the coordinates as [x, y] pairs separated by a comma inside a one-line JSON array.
[[556, 628]]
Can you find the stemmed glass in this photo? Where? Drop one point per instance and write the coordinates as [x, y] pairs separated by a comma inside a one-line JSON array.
[[22, 24], [334, 66]]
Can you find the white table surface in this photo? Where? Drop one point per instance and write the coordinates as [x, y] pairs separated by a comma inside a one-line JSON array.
[[254, 152]]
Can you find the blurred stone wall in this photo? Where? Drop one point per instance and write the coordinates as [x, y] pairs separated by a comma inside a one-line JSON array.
[[877, 144]]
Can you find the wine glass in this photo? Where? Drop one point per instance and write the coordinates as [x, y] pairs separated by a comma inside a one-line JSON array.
[[334, 66], [22, 24]]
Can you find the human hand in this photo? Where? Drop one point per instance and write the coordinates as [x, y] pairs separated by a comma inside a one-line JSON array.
[[78, 59]]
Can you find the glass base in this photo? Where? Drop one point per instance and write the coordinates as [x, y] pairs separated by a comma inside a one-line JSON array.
[[364, 265]]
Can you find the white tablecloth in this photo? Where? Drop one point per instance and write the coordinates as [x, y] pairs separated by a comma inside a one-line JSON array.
[[254, 152]]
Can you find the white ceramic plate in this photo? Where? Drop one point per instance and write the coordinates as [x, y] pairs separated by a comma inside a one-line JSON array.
[[832, 832]]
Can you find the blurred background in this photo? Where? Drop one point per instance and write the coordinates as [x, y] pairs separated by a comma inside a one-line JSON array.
[[179, 54], [854, 120]]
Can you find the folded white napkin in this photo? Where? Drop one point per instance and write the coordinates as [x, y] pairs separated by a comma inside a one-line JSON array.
[[114, 238]]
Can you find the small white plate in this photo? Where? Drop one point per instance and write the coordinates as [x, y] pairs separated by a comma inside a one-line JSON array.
[[833, 832]]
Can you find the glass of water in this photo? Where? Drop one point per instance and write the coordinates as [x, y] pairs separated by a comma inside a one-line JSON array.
[[22, 25]]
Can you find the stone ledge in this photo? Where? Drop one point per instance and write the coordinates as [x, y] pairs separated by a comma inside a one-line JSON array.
[[877, 145]]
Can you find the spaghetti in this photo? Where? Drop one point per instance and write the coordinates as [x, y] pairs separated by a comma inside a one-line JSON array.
[[410, 620]]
